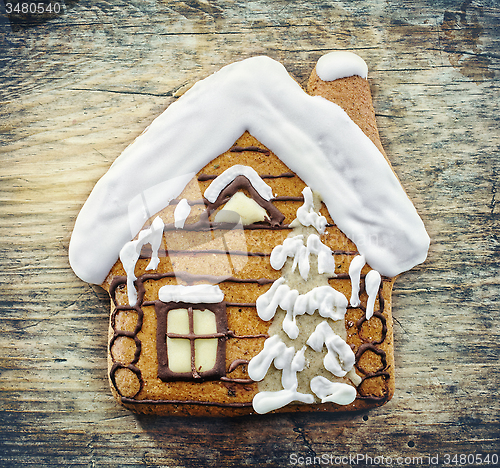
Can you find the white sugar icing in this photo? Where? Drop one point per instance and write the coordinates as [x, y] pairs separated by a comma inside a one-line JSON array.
[[198, 293], [340, 359], [326, 300], [335, 392], [329, 302], [294, 247], [181, 213], [264, 402], [268, 302], [130, 252], [314, 138], [259, 365], [286, 360], [289, 248], [306, 214], [221, 181], [355, 267], [341, 64], [372, 284]]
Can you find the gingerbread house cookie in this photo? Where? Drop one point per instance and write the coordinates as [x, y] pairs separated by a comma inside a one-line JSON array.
[[249, 240]]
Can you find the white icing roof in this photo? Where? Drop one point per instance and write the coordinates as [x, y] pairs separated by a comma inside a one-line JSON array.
[[312, 136]]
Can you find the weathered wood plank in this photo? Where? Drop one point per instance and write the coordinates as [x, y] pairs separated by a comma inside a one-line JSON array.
[[76, 90]]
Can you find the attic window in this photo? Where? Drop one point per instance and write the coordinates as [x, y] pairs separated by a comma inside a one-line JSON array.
[[191, 340], [253, 209], [244, 208]]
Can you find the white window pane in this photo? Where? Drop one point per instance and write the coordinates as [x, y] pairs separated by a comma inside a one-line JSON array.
[[205, 352], [178, 321], [204, 322], [179, 354]]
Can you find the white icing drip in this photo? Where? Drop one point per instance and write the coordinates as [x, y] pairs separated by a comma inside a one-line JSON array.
[[335, 392], [340, 64], [329, 302], [312, 136], [131, 251], [268, 302], [357, 264], [295, 248], [286, 360], [198, 293], [339, 359], [259, 365], [181, 213], [306, 214], [264, 402], [326, 300], [372, 284], [326, 260], [289, 248], [221, 181]]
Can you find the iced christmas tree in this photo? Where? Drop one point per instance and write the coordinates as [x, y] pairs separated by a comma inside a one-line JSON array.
[[307, 342]]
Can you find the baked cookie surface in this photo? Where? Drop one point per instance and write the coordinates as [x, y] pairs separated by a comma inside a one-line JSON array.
[[249, 241]]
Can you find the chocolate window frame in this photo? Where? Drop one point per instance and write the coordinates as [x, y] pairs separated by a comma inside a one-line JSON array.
[[238, 184], [219, 370]]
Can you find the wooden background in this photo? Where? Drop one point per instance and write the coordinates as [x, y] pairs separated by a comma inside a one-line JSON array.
[[77, 88]]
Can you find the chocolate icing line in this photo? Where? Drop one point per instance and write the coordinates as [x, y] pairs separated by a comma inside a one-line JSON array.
[[237, 380], [237, 363], [284, 175], [240, 304], [117, 282], [125, 334], [131, 367], [204, 225], [146, 253], [186, 402], [233, 366], [252, 148], [228, 304], [283, 198], [193, 278], [201, 201], [384, 327], [231, 334], [371, 346]]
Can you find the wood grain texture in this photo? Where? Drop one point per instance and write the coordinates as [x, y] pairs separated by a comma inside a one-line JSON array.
[[78, 88]]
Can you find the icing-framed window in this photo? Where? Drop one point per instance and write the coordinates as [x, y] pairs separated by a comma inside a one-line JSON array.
[[191, 340], [274, 216]]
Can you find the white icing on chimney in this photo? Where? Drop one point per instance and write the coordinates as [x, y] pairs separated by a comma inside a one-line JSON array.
[[340, 64]]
